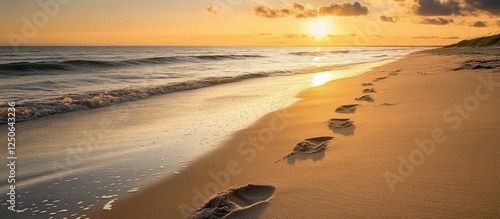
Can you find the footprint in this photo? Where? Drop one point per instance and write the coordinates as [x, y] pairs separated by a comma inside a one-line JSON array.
[[367, 98], [342, 126], [339, 123], [395, 72], [240, 201], [309, 146], [387, 104], [347, 108], [367, 84], [371, 90], [379, 79]]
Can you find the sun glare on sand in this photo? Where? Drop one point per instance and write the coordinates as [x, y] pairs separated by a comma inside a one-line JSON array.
[[320, 28]]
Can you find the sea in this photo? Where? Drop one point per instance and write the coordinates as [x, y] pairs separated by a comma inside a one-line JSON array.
[[50, 80], [111, 121]]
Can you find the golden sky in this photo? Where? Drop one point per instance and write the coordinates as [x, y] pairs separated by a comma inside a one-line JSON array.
[[245, 22]]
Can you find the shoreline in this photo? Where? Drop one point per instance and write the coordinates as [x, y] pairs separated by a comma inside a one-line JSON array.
[[115, 152], [44, 104], [349, 171]]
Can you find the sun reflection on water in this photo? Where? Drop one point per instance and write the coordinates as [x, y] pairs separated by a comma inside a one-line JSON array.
[[323, 77]]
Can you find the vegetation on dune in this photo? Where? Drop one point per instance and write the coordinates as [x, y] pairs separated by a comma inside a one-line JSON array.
[[491, 41]]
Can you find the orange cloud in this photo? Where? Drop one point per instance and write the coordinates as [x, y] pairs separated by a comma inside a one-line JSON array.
[[214, 10], [436, 21], [301, 11], [344, 9], [387, 19], [267, 12]]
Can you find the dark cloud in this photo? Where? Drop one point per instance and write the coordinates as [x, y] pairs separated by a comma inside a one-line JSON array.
[[438, 8], [436, 21], [489, 6], [344, 9], [306, 13], [479, 24], [387, 19], [267, 12], [297, 6], [301, 11], [214, 10]]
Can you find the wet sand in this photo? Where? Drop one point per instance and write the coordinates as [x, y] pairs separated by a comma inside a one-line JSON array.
[[426, 146]]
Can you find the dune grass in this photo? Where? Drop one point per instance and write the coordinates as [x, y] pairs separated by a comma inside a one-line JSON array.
[[487, 41]]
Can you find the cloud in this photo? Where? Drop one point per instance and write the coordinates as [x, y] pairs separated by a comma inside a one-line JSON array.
[[425, 37], [306, 14], [455, 7], [436, 21], [387, 19], [293, 35], [297, 6], [438, 8], [436, 37], [267, 12], [214, 10], [300, 10], [344, 9], [489, 6], [479, 24]]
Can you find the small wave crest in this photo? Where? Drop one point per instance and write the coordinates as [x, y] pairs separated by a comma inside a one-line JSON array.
[[68, 65], [318, 53], [28, 110]]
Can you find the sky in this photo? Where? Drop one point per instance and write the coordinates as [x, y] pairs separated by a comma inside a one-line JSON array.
[[245, 22]]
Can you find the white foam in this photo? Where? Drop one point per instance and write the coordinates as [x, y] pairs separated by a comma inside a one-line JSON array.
[[109, 205], [133, 190], [21, 211]]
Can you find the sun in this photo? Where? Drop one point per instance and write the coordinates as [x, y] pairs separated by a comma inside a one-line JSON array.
[[320, 28]]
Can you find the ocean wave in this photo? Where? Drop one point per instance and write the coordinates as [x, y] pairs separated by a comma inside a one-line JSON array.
[[68, 65], [307, 53], [317, 53], [28, 110], [339, 51]]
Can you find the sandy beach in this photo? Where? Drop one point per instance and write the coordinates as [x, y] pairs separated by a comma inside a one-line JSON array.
[[423, 145], [250, 109]]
